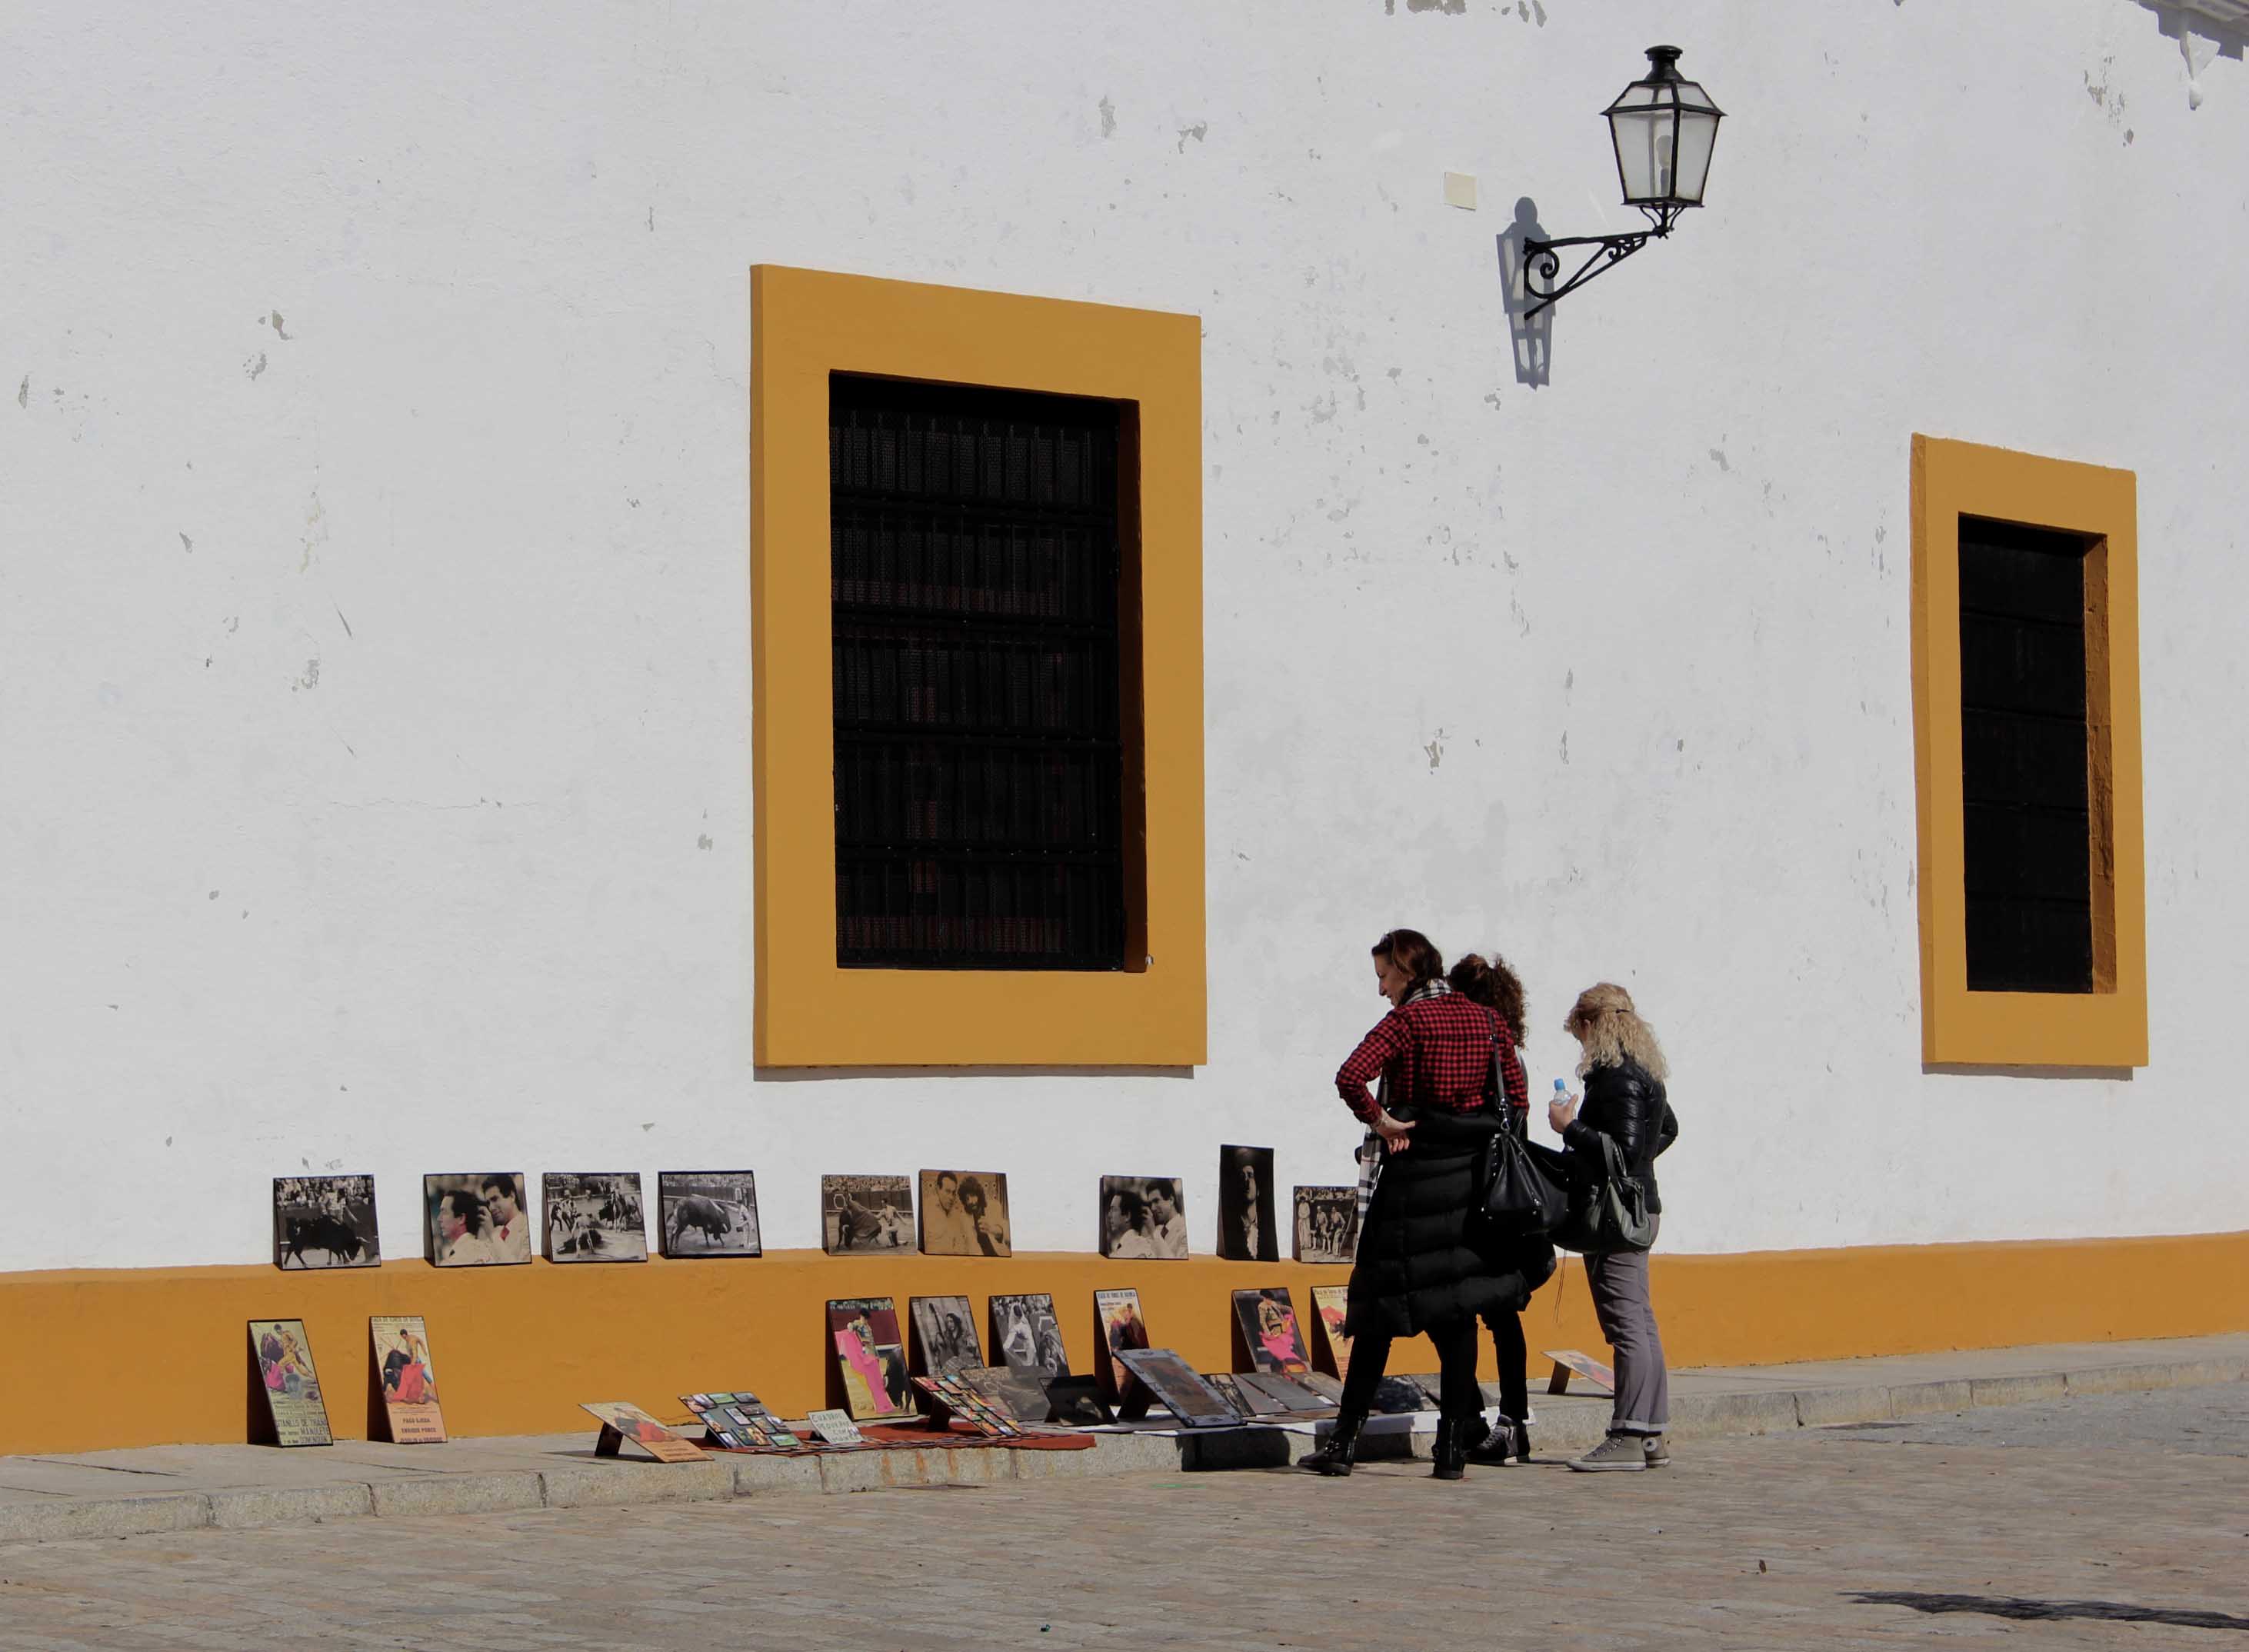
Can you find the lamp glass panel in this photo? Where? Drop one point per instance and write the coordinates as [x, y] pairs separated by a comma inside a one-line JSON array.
[[1698, 134], [1644, 150]]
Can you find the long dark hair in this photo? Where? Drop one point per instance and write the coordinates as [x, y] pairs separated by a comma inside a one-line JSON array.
[[1412, 951], [1494, 984]]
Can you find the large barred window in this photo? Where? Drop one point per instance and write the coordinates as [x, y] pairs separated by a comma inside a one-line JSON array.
[[976, 563], [2026, 803]]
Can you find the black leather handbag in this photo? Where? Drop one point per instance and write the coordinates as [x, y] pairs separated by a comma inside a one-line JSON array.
[[1522, 1192]]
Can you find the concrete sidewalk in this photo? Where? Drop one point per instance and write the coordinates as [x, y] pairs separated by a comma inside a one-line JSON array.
[[175, 1488]]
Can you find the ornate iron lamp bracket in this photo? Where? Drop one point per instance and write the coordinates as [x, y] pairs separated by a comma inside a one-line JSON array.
[[1541, 260]]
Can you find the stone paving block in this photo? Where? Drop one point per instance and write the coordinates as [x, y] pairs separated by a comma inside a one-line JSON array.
[[104, 1517], [458, 1494], [1828, 1407], [2130, 1379], [754, 1475], [872, 1471], [610, 1485], [1565, 1431], [980, 1465], [239, 1506], [1928, 1399], [2015, 1390], [1698, 1416]]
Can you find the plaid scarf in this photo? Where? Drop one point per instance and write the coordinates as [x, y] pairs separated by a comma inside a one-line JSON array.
[[1370, 1150]]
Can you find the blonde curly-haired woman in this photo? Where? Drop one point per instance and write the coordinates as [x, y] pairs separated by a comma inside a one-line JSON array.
[[1623, 1070]]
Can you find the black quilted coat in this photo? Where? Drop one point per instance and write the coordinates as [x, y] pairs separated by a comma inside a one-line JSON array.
[[1419, 1261]]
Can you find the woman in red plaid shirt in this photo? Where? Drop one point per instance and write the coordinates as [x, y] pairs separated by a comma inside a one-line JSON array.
[[1446, 1065]]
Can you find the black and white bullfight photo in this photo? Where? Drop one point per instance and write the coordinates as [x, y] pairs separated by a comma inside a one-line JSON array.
[[594, 1217], [709, 1213], [324, 1221]]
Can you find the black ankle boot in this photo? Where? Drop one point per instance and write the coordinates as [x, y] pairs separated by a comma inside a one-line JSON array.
[[1338, 1452], [1450, 1453]]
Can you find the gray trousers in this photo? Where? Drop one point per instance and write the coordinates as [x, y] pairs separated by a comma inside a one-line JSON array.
[[1643, 1382]]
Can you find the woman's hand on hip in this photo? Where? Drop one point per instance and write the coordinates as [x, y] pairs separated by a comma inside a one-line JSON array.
[[1396, 1132]]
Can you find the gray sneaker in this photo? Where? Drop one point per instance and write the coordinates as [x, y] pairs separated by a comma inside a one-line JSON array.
[[1619, 1454], [1659, 1454]]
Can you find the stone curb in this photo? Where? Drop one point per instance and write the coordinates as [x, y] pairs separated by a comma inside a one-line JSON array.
[[592, 1485]]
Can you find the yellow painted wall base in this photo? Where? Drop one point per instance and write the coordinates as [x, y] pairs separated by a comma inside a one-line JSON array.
[[153, 1356]]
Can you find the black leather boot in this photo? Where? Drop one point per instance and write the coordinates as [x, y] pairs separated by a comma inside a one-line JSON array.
[[1450, 1456], [1338, 1452]]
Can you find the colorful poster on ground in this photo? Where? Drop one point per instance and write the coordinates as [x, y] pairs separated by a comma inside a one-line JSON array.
[[284, 1354], [1268, 1319], [1118, 1324], [622, 1421], [410, 1381], [870, 1355], [1329, 1304]]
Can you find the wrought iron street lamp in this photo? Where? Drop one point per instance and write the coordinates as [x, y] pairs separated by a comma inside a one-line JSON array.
[[1664, 128]]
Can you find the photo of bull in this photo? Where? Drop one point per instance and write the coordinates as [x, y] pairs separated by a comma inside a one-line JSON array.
[[324, 1221], [709, 1214]]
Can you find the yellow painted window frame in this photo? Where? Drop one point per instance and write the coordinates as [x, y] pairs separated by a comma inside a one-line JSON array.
[[2109, 1026], [806, 325]]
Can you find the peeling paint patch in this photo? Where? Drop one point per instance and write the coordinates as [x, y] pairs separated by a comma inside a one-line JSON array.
[[24, 392], [1450, 8], [1197, 132], [1719, 455], [275, 318], [1107, 119], [187, 544], [340, 620], [1435, 749], [312, 677], [316, 532], [254, 366], [702, 841]]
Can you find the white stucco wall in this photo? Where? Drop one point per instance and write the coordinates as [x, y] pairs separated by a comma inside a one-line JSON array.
[[374, 787]]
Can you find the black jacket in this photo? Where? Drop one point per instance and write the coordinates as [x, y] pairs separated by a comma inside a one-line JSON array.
[[1420, 1263], [1627, 1104]]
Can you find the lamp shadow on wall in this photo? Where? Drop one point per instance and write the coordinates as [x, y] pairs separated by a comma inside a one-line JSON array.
[[1531, 335]]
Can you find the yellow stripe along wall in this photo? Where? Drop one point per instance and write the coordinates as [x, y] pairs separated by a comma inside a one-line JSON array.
[[142, 1357]]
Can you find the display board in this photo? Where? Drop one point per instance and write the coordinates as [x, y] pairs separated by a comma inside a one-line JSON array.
[[477, 1221], [740, 1421], [1270, 1335], [1600, 1377], [944, 1336], [594, 1216], [861, 1215], [836, 1428], [1020, 1395], [1143, 1218], [1245, 1205], [324, 1221], [952, 1399], [1326, 1226], [870, 1355], [708, 1212], [1117, 1324], [964, 1213], [410, 1381], [1026, 1335], [1192, 1402], [622, 1421], [284, 1355], [1330, 1303]]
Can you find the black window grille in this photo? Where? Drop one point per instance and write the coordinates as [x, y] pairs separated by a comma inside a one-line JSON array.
[[2024, 780], [976, 557]]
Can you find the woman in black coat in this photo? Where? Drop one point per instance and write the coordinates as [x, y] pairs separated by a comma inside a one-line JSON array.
[[1623, 1071], [1419, 1268]]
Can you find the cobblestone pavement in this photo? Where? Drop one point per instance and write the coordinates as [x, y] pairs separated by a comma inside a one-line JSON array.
[[2094, 1535]]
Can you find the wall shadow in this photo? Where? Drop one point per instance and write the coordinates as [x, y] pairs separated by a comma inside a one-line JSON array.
[[1974, 1070], [1531, 336]]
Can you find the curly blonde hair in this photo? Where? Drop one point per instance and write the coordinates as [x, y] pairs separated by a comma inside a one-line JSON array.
[[1604, 1021]]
